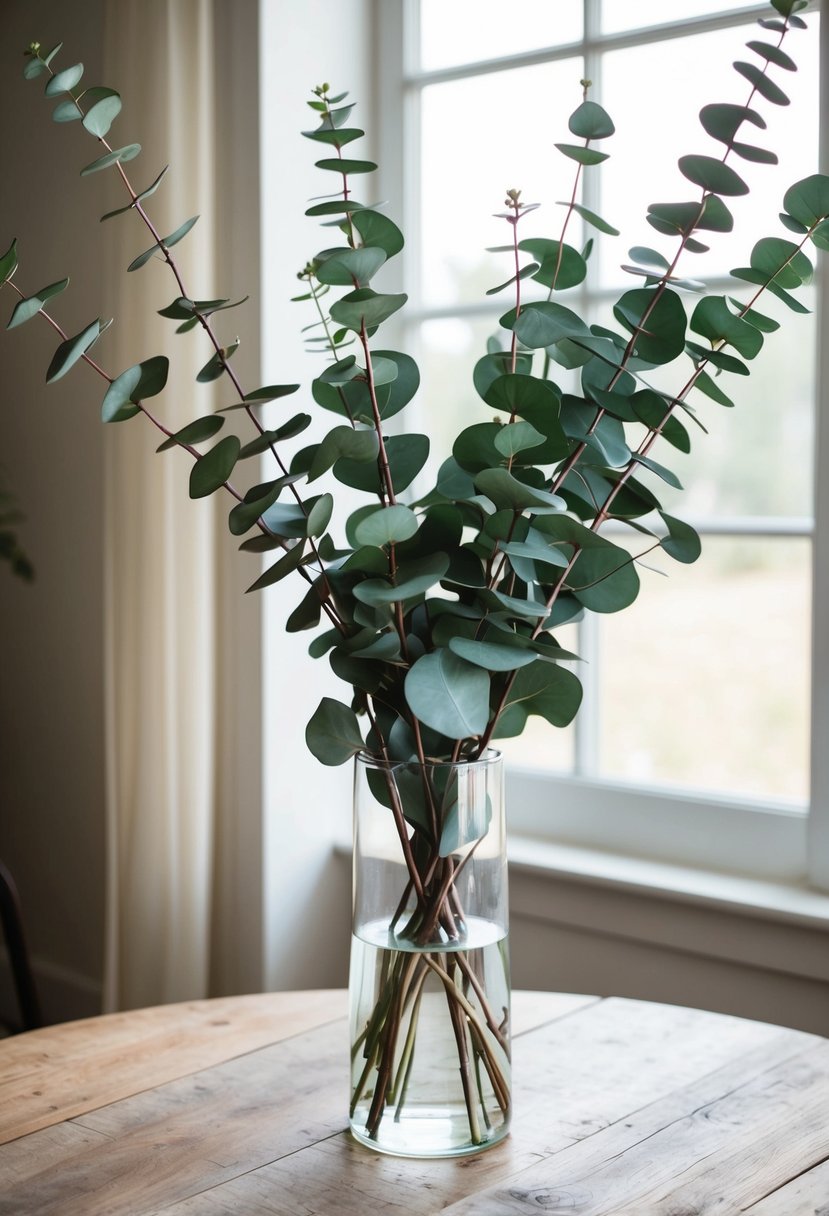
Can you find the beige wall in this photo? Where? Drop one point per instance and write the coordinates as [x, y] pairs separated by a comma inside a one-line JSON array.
[[51, 442]]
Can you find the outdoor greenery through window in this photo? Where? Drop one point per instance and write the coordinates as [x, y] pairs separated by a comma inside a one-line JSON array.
[[705, 683]]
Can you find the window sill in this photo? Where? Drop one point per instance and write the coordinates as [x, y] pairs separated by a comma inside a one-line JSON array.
[[786, 902]]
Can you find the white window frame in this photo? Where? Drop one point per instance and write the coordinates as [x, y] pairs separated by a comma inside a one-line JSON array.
[[751, 837]]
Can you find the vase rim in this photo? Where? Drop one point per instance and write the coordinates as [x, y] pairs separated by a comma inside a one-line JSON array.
[[491, 757]]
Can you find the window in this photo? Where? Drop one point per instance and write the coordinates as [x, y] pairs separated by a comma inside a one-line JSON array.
[[694, 740]]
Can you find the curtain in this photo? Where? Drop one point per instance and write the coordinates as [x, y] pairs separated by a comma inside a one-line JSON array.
[[160, 607]]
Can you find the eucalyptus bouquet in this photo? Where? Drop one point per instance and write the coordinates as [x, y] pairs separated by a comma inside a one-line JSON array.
[[440, 604]]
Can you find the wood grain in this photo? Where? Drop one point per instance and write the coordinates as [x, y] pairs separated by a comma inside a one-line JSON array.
[[622, 1108], [53, 1074]]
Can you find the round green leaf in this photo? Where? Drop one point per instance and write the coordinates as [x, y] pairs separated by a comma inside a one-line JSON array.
[[515, 437], [764, 85], [8, 263], [584, 156], [712, 175], [70, 351], [210, 472], [406, 454], [663, 336], [682, 542], [333, 733], [413, 579], [403, 386], [379, 230], [714, 320], [63, 81], [365, 307], [491, 655], [31, 306], [560, 265], [128, 152], [808, 200], [319, 515], [195, 432], [723, 121], [101, 115], [543, 323], [351, 267], [448, 694], [145, 379], [340, 165], [590, 121], [386, 525]]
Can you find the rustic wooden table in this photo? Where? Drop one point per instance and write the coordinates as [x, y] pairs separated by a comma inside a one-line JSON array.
[[236, 1106]]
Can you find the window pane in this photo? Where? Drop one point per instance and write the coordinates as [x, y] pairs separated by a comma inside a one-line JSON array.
[[705, 679], [502, 148], [467, 30], [756, 458], [622, 15], [650, 137]]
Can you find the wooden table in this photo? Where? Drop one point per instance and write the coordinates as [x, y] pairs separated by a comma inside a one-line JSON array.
[[237, 1106]]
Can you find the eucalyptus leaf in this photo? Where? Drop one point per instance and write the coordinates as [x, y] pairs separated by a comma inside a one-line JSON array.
[[211, 471], [71, 350], [194, 432], [31, 306], [333, 733], [764, 85], [142, 380], [386, 525], [449, 694], [100, 116], [118, 156], [8, 263]]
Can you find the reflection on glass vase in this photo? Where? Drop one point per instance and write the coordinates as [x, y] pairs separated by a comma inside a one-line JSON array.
[[430, 989]]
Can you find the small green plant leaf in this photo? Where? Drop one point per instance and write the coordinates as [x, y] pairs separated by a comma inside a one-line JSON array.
[[378, 230], [341, 165], [712, 175], [807, 201], [449, 694], [31, 306], [333, 733], [73, 349], [143, 380], [319, 515], [102, 114], [764, 85], [215, 365], [590, 121], [210, 472], [138, 198], [343, 441], [774, 54], [63, 81], [197, 431], [713, 318], [365, 307], [584, 156], [682, 543], [490, 655], [351, 267], [387, 525], [122, 155], [8, 263], [590, 217], [167, 241], [722, 121], [414, 578]]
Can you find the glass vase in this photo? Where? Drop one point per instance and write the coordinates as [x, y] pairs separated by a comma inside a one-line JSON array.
[[430, 988]]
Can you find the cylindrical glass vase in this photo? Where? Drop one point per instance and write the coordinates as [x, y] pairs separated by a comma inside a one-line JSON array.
[[430, 987]]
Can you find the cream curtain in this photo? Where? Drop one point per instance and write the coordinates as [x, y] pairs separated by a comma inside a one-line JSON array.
[[160, 561]]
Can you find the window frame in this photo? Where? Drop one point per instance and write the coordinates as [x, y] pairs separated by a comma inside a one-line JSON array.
[[778, 842]]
